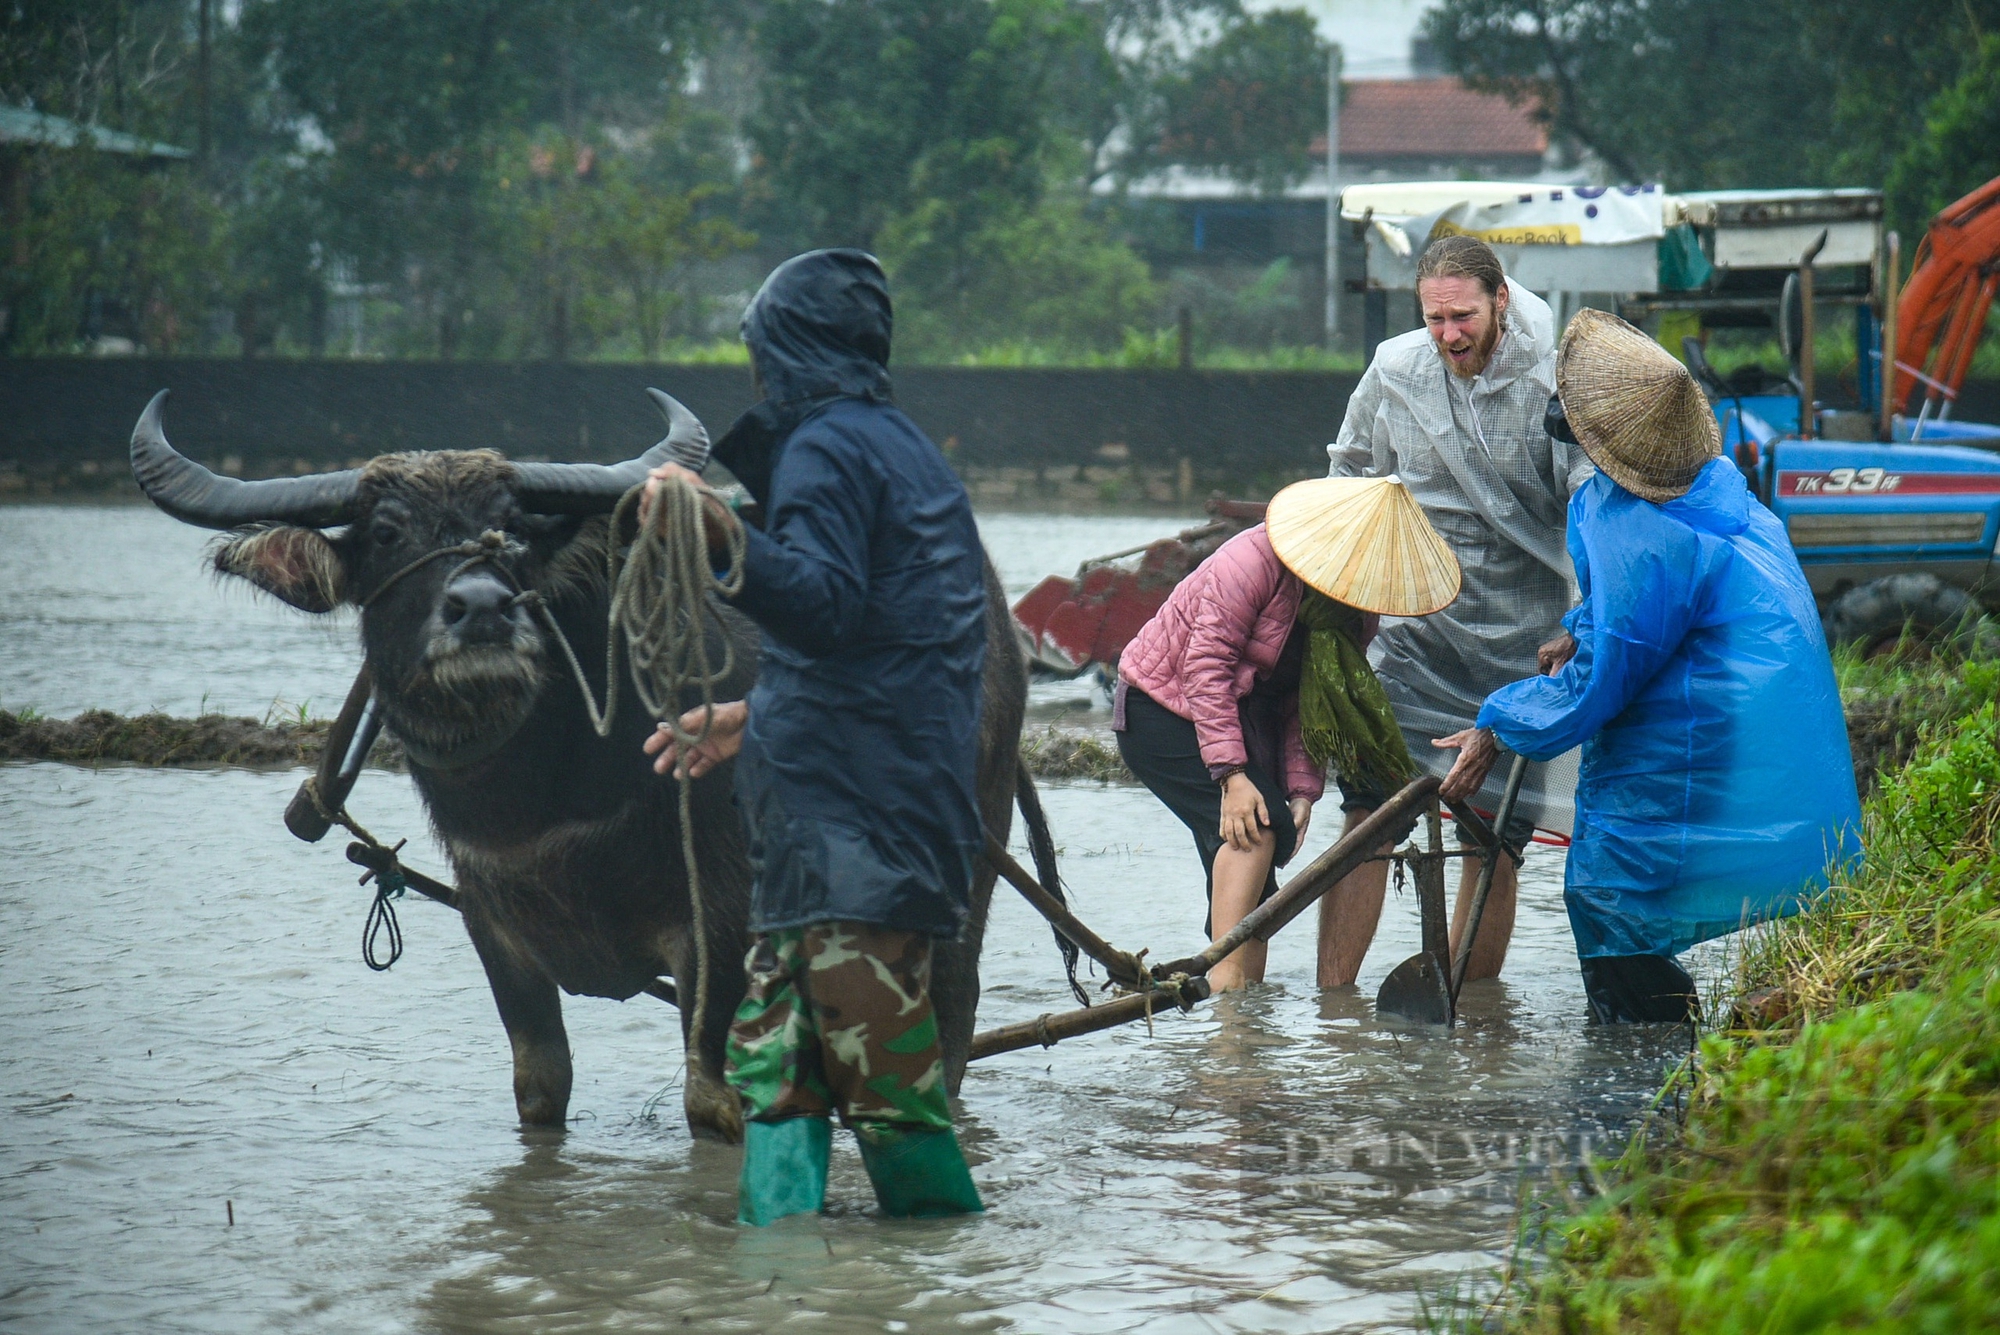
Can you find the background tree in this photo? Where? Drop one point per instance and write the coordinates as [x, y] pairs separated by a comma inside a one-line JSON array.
[[931, 131], [1707, 94], [556, 178], [416, 102], [1249, 103], [1959, 149]]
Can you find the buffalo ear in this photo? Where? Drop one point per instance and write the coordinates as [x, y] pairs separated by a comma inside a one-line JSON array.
[[299, 565]]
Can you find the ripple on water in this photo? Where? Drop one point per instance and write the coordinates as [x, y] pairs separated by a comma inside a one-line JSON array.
[[186, 1023]]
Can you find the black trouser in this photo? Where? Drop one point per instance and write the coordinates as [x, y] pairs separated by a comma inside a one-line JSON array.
[[1160, 747], [1638, 989]]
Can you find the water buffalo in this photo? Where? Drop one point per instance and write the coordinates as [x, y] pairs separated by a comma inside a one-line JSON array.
[[565, 846]]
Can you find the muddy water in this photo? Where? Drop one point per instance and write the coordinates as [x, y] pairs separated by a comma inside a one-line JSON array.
[[186, 1030]]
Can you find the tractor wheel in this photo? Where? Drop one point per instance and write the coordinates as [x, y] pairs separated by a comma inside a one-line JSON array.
[[1918, 612]]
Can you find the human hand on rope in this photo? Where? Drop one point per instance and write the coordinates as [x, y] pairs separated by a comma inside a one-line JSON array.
[[715, 516], [1478, 748], [724, 740]]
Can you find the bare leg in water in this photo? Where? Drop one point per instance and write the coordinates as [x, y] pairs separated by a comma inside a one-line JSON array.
[[1239, 884], [1496, 924], [1241, 867], [1348, 914], [1351, 911]]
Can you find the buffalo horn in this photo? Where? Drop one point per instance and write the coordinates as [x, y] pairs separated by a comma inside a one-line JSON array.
[[193, 495], [590, 489]]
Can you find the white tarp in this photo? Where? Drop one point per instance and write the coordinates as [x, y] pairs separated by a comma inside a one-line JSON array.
[[1551, 238], [1517, 215]]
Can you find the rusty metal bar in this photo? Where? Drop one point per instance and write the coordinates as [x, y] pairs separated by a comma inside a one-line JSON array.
[[1886, 330], [1808, 333]]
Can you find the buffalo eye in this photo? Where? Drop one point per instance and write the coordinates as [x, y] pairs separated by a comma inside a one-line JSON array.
[[385, 534]]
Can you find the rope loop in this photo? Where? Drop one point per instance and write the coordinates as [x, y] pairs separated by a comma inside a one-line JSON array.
[[389, 886], [488, 547], [663, 599], [390, 883]]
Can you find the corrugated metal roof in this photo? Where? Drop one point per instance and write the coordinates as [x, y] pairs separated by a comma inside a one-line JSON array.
[[21, 125]]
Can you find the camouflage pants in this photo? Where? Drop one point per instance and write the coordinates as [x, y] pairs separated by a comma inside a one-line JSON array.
[[838, 1019]]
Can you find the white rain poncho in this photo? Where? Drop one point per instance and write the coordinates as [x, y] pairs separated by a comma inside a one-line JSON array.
[[1496, 487]]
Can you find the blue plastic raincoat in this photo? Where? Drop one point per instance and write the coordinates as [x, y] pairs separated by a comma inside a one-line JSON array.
[[1716, 786]]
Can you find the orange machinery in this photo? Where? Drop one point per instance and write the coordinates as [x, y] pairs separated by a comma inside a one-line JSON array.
[[1942, 311]]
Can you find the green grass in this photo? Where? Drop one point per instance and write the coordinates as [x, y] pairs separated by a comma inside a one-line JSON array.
[[1838, 1163], [1893, 701], [1157, 349]]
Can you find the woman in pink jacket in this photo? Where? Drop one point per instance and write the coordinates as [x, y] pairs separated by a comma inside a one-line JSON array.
[[1207, 711]]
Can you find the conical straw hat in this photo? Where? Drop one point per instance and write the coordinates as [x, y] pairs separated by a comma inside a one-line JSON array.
[[1635, 410], [1363, 541]]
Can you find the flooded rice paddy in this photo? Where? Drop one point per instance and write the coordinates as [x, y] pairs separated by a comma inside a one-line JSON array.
[[188, 1036]]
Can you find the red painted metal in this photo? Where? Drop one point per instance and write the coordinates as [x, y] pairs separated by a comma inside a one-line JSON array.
[[1072, 623]]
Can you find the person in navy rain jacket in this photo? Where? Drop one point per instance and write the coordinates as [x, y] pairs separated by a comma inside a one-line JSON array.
[[855, 751]]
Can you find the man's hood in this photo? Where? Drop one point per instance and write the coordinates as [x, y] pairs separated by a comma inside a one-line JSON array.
[[1528, 340], [820, 326]]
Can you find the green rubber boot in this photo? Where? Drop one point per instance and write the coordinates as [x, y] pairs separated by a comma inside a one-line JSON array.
[[918, 1173], [784, 1169]]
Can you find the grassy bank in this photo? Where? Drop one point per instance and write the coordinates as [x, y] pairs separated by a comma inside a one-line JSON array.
[[1837, 1164]]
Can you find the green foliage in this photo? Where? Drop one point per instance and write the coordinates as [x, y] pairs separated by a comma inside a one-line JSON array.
[[875, 109], [1710, 93], [556, 178], [1159, 349], [473, 166], [1053, 269], [1248, 103], [1696, 92], [922, 130], [1959, 149], [1841, 1169], [97, 224], [596, 250]]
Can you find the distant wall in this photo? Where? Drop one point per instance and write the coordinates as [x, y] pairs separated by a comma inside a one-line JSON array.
[[1019, 437], [1024, 437]]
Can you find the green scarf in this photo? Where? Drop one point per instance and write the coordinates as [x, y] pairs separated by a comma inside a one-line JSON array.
[[1343, 711]]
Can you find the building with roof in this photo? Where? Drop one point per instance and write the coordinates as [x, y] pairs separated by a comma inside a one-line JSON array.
[[1437, 128], [1210, 231]]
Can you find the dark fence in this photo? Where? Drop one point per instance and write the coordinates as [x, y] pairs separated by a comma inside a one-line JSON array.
[[1018, 436], [1098, 430]]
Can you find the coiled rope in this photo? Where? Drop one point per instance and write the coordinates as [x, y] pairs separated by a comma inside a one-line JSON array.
[[662, 601]]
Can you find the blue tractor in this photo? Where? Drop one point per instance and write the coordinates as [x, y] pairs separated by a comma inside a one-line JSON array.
[[1892, 506], [1895, 536]]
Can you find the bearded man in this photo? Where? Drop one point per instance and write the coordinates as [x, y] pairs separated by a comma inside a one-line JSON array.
[[1456, 409]]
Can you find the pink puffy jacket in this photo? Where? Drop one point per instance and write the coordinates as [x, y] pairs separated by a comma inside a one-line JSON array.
[[1217, 633]]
